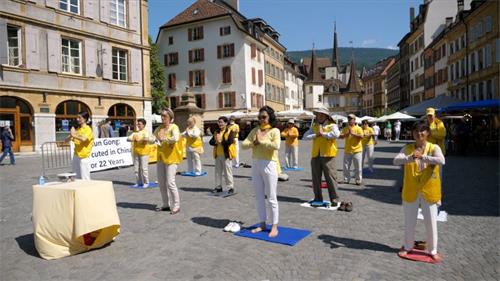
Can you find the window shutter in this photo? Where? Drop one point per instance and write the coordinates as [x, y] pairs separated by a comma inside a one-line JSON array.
[[190, 34], [253, 75], [190, 55], [231, 50], [3, 38], [252, 47], [90, 8], [107, 72], [177, 101], [165, 59], [32, 48], [202, 77], [220, 31], [219, 51], [104, 11], [221, 100], [90, 57], [54, 51], [233, 99], [258, 55], [203, 101], [134, 14], [174, 81], [51, 3], [201, 32], [260, 77], [202, 54], [136, 65], [228, 74], [190, 78]]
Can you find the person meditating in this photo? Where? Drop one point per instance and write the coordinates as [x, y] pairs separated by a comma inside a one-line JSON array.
[[194, 146], [224, 151], [264, 140], [421, 188], [83, 139]]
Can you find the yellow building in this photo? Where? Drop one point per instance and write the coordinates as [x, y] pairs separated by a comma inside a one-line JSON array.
[[62, 57]]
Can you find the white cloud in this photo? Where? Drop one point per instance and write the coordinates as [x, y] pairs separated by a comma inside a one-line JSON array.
[[392, 47], [368, 42]]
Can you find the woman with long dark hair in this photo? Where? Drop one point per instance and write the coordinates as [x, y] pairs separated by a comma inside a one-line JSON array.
[[83, 139], [224, 151], [264, 140]]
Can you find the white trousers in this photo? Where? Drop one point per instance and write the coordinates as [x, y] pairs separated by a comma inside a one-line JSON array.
[[194, 162], [265, 182], [168, 188], [292, 156], [398, 132], [141, 165], [348, 159], [429, 211], [224, 169], [368, 153], [236, 160], [81, 166]]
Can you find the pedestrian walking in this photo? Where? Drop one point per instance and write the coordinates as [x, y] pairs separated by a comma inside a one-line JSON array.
[[388, 131], [291, 135], [169, 157], [194, 146], [105, 129], [264, 141], [368, 145], [421, 188], [376, 132], [353, 149], [7, 137], [224, 152], [83, 139], [141, 147]]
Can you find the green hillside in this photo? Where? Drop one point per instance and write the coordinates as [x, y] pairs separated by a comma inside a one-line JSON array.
[[366, 57]]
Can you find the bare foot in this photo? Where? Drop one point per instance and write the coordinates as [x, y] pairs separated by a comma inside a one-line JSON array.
[[437, 257], [259, 229], [402, 252], [274, 231]]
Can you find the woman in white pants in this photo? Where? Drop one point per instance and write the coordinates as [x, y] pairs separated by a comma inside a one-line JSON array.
[[141, 140], [421, 188], [368, 145], [265, 142], [194, 146], [83, 139]]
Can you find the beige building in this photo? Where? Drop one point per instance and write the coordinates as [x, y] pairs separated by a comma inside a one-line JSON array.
[[59, 57]]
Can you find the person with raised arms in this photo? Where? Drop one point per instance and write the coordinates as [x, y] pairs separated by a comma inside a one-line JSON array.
[[224, 151]]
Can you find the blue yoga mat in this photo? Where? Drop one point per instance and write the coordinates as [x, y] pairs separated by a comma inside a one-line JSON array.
[[286, 235], [151, 185], [191, 174], [292, 169]]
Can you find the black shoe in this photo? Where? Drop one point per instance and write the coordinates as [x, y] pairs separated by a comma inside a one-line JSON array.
[[334, 204], [217, 190], [230, 191]]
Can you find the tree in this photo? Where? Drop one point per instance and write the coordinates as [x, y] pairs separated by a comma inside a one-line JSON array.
[[157, 79]]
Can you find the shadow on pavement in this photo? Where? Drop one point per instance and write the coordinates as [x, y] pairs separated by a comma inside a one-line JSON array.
[[27, 244], [282, 198], [337, 242], [241, 177], [206, 221], [126, 183], [143, 206], [381, 193], [209, 165], [195, 189], [389, 149]]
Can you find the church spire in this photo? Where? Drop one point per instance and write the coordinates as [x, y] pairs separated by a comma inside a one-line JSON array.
[[353, 86], [335, 54], [313, 75]]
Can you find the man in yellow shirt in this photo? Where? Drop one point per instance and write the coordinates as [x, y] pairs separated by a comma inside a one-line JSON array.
[[236, 129], [438, 130], [291, 135], [141, 141], [353, 149], [83, 138]]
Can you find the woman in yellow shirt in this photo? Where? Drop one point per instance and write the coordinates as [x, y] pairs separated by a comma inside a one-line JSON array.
[[224, 152], [169, 156], [265, 143], [421, 188], [83, 138], [194, 146], [368, 145], [141, 141], [291, 135]]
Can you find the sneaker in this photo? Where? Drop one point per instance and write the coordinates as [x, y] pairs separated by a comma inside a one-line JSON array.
[[230, 191], [229, 226], [235, 227], [217, 190]]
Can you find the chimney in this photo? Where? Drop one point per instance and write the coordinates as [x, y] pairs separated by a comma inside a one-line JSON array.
[[412, 15], [449, 20], [234, 3], [460, 5]]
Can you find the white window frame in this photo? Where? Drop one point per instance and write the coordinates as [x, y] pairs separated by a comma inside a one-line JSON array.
[[69, 5], [113, 5], [118, 54], [19, 46], [70, 58]]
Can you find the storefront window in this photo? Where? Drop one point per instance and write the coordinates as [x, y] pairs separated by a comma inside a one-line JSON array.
[[66, 113]]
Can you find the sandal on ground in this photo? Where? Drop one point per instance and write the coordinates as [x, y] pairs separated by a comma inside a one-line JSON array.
[[342, 206], [348, 207], [162, 209]]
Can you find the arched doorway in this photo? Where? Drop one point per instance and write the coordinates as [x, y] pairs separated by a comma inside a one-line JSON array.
[[119, 114], [66, 113], [18, 115]]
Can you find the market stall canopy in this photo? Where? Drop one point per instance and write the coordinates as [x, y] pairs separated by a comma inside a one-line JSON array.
[[438, 103], [236, 114], [399, 116], [381, 118], [338, 117], [295, 113], [369, 118], [493, 103]]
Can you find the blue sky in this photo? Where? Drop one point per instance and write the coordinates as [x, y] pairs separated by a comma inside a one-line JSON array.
[[368, 23]]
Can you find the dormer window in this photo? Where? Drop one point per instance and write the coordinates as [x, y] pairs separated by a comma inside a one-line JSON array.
[[195, 12]]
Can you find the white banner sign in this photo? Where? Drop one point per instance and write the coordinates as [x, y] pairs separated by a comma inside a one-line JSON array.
[[109, 153]]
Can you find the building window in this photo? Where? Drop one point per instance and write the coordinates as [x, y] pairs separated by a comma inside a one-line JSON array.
[[171, 59], [480, 64], [196, 55], [174, 102], [226, 30], [489, 90], [227, 99], [172, 81], [197, 78], [72, 6], [71, 56], [226, 74], [119, 63], [498, 50], [171, 40], [225, 51], [195, 33], [200, 100], [117, 12], [473, 62], [487, 24], [14, 45]]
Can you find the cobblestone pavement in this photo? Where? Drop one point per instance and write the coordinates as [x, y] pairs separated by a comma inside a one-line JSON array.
[[360, 245]]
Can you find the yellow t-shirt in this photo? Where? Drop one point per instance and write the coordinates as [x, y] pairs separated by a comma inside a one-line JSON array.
[[368, 140], [438, 134], [170, 150], [220, 148], [236, 129], [353, 144], [291, 136], [142, 146], [268, 147], [84, 149]]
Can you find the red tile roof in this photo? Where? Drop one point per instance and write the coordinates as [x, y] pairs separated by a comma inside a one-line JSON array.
[[205, 9]]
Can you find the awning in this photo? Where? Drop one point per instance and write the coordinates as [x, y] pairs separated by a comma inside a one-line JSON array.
[[493, 103], [438, 103]]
